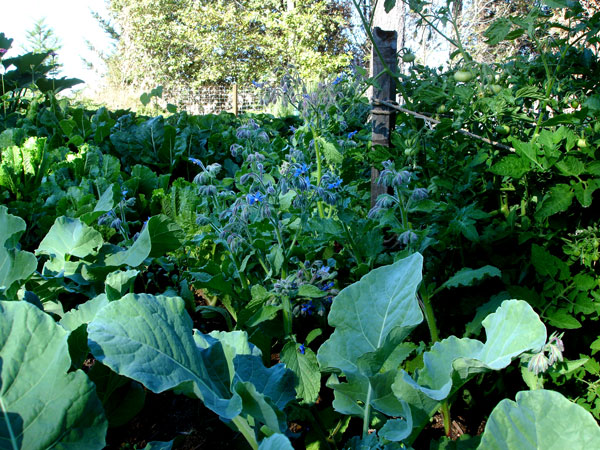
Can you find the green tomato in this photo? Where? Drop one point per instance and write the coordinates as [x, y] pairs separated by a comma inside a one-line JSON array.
[[581, 143], [496, 88], [502, 129], [574, 104], [441, 109], [408, 57], [463, 75]]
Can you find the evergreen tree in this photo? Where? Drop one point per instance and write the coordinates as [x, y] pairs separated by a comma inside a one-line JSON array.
[[41, 38]]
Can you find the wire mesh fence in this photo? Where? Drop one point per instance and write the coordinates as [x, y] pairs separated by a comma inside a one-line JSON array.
[[215, 99]]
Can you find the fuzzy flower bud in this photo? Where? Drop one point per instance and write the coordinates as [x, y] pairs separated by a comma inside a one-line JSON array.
[[419, 194], [234, 149], [408, 237], [538, 363]]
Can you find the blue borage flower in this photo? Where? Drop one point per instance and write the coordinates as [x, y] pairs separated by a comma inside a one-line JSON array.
[[302, 349], [323, 272], [338, 80], [327, 286], [307, 308], [335, 184], [555, 348], [257, 84], [351, 134], [116, 223], [302, 170], [257, 197]]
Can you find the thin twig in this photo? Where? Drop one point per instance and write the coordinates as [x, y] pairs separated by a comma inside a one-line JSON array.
[[435, 122]]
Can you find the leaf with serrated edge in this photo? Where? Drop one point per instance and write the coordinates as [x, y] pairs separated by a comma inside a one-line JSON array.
[[306, 368], [467, 276]]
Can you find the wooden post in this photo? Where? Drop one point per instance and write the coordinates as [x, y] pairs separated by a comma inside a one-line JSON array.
[[235, 99], [383, 118]]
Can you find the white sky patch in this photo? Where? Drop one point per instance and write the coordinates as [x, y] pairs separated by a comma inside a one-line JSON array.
[[72, 23]]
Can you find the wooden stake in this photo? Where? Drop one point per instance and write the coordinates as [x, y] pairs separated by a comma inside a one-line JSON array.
[[383, 118]]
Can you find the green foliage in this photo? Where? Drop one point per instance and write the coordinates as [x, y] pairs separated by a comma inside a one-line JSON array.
[[134, 337], [41, 404], [223, 42], [41, 38], [256, 230], [537, 420], [15, 265]]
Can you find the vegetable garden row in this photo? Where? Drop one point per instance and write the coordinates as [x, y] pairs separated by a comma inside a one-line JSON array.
[[238, 261]]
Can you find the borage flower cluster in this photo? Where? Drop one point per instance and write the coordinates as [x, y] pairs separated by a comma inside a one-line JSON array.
[[394, 207], [319, 274], [539, 362]]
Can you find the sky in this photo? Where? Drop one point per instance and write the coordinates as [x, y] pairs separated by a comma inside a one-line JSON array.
[[71, 21]]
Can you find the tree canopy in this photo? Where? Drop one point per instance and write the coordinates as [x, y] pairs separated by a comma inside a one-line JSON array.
[[196, 42]]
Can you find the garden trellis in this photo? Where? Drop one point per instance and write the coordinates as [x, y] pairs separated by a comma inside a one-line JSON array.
[[214, 99]]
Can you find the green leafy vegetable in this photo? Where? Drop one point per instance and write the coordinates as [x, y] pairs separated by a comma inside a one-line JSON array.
[[42, 405]]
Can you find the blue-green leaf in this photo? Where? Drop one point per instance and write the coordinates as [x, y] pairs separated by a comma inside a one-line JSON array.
[[149, 339], [276, 441], [372, 317], [84, 313], [120, 283], [14, 264], [512, 330], [42, 405], [69, 237], [159, 236], [540, 419], [365, 312]]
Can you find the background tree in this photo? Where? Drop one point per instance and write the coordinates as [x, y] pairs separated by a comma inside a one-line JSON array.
[[41, 38], [473, 18], [190, 42]]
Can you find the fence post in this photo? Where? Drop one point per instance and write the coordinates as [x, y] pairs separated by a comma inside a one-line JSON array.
[[235, 99], [383, 118]]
